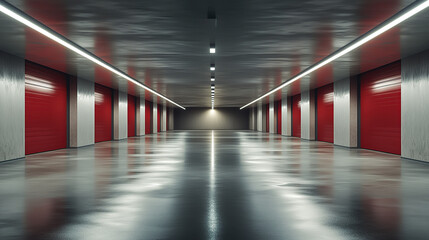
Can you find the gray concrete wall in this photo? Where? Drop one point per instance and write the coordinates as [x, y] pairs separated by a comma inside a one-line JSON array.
[[308, 115], [82, 109], [216, 119], [286, 116], [415, 107], [120, 115], [346, 113], [12, 107]]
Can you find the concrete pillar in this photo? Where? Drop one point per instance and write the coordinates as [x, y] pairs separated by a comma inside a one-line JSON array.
[[164, 118], [286, 116], [171, 119], [259, 117], [82, 110], [308, 115], [272, 118], [346, 113], [251, 119], [264, 118], [12, 107], [120, 115], [414, 107], [140, 116], [155, 117]]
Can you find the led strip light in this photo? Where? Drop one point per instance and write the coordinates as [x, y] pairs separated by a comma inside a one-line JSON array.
[[398, 18], [35, 25]]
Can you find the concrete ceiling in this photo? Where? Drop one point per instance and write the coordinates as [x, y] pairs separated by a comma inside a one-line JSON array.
[[259, 43]]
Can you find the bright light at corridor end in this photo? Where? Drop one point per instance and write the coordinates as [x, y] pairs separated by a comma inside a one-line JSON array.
[[30, 22], [398, 18]]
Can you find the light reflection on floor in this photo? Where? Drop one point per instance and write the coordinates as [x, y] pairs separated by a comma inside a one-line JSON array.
[[214, 185]]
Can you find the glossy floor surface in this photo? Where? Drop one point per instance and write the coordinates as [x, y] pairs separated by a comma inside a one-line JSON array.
[[214, 185]]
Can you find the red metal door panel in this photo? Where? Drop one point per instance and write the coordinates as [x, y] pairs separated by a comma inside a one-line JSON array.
[[45, 109], [131, 116], [158, 109], [279, 117], [380, 103], [148, 111], [296, 115], [325, 113], [267, 107], [103, 113]]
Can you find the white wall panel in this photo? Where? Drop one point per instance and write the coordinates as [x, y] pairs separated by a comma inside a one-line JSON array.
[[12, 107]]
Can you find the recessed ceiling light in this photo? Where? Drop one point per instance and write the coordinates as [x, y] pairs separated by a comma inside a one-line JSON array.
[[398, 18], [212, 79], [213, 87], [212, 48], [47, 32], [212, 67]]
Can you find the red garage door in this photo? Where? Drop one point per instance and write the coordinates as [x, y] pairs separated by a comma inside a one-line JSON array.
[[325, 113], [131, 116], [103, 113], [296, 115], [45, 109], [380, 102], [158, 109], [148, 112], [279, 116]]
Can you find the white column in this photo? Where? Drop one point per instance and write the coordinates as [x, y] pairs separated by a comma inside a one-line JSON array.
[[414, 107], [164, 118], [12, 107], [345, 113], [308, 115], [259, 117], [155, 117], [120, 115], [140, 116], [81, 112], [171, 119], [286, 116], [271, 118]]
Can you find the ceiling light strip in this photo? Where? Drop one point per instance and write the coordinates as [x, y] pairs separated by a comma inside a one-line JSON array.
[[398, 18], [35, 25]]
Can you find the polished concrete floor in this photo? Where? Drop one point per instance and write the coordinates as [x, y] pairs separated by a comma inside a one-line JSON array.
[[214, 185]]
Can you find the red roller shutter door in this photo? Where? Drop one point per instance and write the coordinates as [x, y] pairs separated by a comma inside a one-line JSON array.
[[103, 113], [279, 117], [325, 113], [148, 112], [131, 116], [158, 125], [45, 109], [380, 103], [296, 115]]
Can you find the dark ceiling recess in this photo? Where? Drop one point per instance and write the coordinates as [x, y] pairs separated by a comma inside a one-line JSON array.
[[259, 44]]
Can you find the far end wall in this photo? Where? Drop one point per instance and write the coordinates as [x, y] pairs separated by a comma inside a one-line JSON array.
[[216, 119]]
